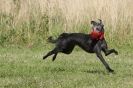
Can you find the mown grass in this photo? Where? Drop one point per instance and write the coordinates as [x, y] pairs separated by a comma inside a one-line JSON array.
[[26, 24], [24, 68]]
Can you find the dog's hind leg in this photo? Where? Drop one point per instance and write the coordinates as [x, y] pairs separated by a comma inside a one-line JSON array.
[[54, 57], [54, 51], [48, 54]]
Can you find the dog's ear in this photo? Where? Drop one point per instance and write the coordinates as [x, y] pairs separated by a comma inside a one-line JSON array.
[[93, 22], [100, 21]]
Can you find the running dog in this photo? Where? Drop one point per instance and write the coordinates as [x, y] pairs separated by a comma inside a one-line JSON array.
[[66, 42]]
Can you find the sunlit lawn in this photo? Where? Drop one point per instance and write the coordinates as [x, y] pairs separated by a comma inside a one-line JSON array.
[[24, 68]]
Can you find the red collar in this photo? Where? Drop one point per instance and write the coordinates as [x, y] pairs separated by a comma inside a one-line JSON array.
[[97, 35]]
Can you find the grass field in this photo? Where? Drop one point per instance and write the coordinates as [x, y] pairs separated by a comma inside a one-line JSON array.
[[26, 24], [24, 68]]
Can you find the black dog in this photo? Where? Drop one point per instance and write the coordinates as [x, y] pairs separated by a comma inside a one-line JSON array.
[[66, 42]]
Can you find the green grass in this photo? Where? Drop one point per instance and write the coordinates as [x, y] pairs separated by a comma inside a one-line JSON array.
[[24, 68]]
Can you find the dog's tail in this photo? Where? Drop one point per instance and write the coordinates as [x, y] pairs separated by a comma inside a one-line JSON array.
[[51, 40], [61, 36]]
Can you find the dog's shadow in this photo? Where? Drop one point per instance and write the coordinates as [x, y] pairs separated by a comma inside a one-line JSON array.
[[94, 71], [97, 72], [58, 70], [82, 70]]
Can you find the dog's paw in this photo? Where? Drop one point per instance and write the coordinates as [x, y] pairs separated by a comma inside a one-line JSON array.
[[111, 71], [53, 59], [44, 58]]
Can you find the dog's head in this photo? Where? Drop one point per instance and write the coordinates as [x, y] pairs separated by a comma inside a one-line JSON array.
[[97, 25]]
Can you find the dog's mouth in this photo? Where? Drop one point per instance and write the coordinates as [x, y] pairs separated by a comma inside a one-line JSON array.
[[96, 29]]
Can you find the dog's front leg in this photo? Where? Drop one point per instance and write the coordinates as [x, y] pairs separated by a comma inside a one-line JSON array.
[[108, 52], [99, 55], [104, 63]]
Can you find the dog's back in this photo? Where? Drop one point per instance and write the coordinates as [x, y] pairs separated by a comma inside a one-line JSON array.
[[67, 41], [74, 37]]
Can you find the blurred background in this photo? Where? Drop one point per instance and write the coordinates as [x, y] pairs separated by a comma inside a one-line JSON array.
[[30, 22]]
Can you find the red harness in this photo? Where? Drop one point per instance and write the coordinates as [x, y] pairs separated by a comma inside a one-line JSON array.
[[97, 35]]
